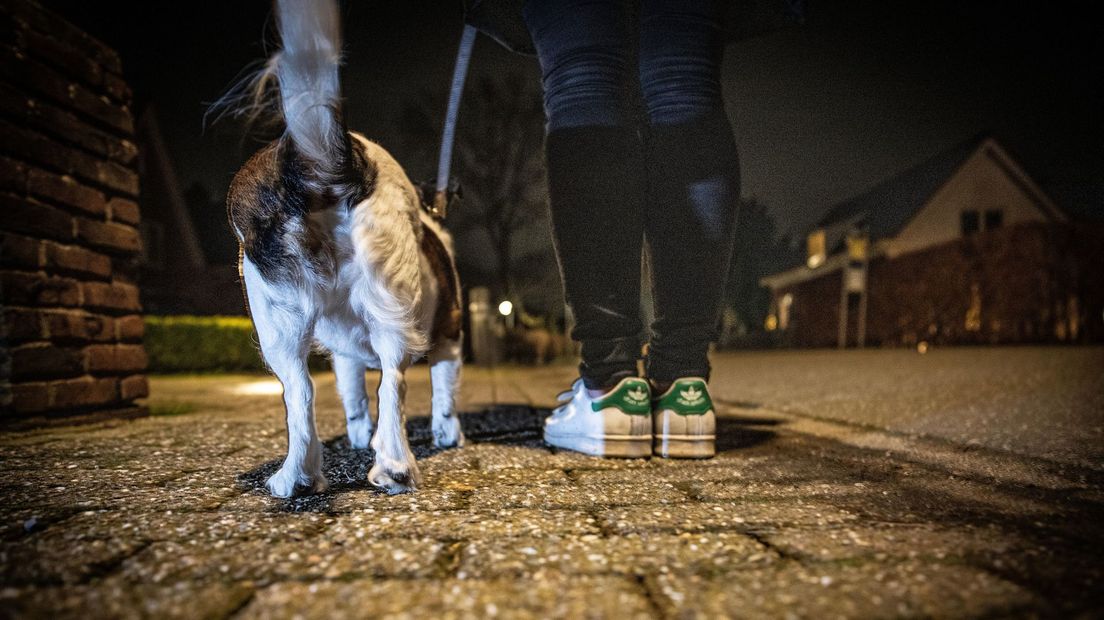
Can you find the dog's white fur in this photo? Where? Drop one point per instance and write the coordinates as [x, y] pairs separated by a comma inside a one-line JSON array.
[[370, 301]]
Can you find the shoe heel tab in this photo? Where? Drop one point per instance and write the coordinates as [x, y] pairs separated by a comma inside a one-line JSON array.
[[631, 395]]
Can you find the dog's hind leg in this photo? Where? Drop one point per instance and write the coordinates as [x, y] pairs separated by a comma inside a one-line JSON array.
[[444, 372], [284, 326], [359, 420], [395, 470]]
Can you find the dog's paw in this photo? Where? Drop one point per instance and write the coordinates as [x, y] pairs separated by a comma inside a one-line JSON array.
[[360, 432], [394, 477], [447, 433], [292, 481]]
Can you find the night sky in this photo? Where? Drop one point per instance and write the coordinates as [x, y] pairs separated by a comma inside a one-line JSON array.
[[862, 90]]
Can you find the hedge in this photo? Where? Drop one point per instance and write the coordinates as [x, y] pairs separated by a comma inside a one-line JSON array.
[[202, 344]]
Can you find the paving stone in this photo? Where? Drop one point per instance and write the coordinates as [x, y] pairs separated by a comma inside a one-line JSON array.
[[742, 516], [535, 454], [593, 554], [50, 557], [554, 596], [461, 525], [540, 495], [472, 479], [78, 486], [168, 516], [908, 589], [888, 541], [115, 598], [192, 529], [780, 489], [264, 562], [425, 499]]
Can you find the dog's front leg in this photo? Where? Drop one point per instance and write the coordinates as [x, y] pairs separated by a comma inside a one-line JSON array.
[[359, 420], [395, 470]]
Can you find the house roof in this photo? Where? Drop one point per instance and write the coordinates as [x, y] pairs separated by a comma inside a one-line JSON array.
[[885, 208]]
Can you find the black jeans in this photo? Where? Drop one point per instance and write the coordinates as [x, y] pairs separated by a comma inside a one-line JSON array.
[[616, 177]]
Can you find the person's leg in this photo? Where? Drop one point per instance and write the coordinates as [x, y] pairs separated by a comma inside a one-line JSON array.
[[693, 182], [595, 177]]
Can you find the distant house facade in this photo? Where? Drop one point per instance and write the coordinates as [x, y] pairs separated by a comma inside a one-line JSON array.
[[964, 248], [176, 275]]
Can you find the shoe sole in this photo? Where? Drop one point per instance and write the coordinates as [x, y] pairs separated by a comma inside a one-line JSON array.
[[612, 446], [686, 446], [684, 436]]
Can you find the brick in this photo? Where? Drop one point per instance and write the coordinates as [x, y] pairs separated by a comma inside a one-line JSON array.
[[21, 324], [134, 386], [109, 235], [39, 114], [83, 392], [44, 360], [71, 258], [31, 15], [130, 328], [40, 149], [64, 58], [66, 191], [77, 325], [114, 296], [18, 68], [30, 397], [13, 175], [115, 357], [21, 251], [123, 210], [35, 219], [37, 289], [116, 88]]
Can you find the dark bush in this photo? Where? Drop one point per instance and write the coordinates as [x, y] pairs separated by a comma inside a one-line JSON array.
[[202, 344]]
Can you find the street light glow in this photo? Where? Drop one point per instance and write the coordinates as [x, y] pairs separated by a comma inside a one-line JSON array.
[[269, 387], [505, 308]]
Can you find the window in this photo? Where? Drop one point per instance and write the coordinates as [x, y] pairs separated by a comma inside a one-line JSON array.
[[993, 219], [970, 222], [817, 249]]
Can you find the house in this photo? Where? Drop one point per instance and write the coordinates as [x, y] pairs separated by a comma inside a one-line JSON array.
[[963, 248]]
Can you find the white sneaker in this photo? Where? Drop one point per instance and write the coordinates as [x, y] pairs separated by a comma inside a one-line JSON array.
[[617, 423], [685, 423]]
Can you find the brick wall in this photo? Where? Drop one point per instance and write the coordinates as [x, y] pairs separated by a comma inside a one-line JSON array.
[[69, 242], [1030, 283]]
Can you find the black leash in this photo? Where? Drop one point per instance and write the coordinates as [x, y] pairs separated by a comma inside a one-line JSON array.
[[439, 204]]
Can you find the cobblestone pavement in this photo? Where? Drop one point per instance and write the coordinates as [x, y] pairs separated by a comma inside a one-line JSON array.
[[801, 517]]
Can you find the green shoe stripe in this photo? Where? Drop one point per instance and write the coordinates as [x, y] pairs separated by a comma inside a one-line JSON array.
[[686, 397], [632, 396]]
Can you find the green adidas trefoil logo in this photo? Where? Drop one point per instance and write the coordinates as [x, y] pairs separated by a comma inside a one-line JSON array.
[[690, 397], [631, 396], [686, 397], [637, 396]]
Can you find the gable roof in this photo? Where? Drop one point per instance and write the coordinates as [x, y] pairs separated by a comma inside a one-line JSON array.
[[889, 205]]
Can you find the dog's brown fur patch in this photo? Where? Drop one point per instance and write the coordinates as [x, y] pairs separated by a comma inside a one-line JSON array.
[[447, 319]]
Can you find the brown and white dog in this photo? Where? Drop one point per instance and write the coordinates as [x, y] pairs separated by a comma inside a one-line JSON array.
[[337, 253]]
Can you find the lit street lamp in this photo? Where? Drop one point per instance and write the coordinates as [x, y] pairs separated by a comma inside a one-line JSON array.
[[506, 309]]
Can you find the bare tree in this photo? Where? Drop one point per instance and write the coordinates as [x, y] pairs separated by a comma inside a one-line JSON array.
[[500, 165]]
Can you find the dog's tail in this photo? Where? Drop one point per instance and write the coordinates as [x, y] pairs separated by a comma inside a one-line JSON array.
[[310, 89], [304, 73]]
